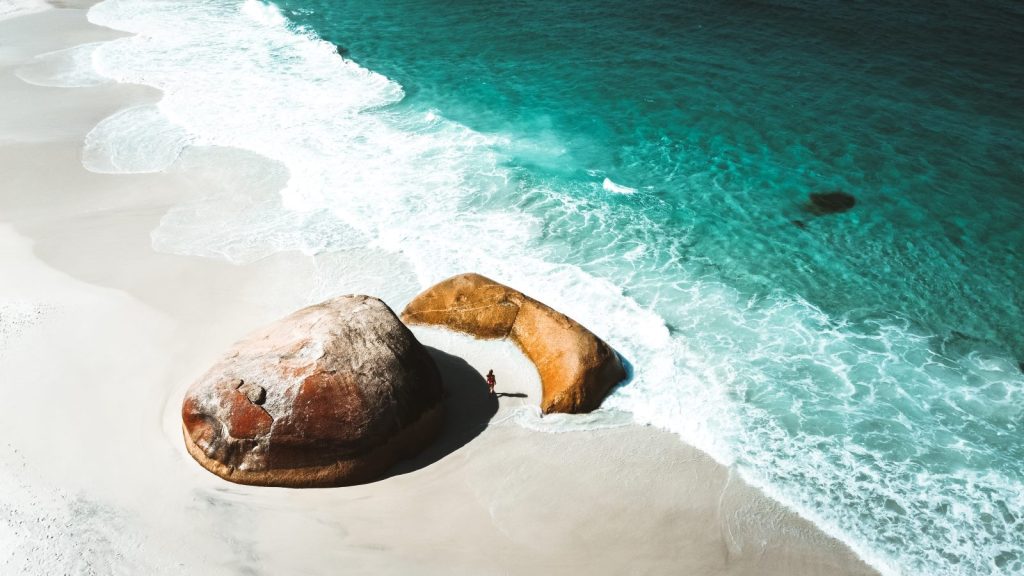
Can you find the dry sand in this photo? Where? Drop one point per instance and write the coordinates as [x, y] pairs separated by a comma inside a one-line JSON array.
[[100, 334]]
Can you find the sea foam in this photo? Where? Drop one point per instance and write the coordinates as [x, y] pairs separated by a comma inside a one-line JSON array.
[[134, 140], [611, 186], [67, 68], [17, 317], [865, 425]]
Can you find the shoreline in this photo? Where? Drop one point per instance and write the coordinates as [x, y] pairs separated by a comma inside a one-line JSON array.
[[85, 237]]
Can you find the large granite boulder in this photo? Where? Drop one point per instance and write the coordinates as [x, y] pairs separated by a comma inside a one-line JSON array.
[[331, 395], [576, 368]]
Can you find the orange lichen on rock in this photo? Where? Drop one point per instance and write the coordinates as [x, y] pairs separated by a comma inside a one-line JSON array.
[[576, 367]]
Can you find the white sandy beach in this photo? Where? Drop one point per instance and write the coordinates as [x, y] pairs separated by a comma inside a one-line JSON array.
[[100, 334]]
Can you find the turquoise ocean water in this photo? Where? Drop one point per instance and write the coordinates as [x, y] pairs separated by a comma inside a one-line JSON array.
[[645, 166]]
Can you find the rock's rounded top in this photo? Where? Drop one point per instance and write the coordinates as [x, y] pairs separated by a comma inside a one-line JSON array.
[[576, 367], [325, 396]]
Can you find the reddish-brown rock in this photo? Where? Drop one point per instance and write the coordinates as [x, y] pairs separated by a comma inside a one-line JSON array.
[[331, 395], [576, 367]]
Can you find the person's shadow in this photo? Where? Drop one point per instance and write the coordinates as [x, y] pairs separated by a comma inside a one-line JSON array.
[[468, 408]]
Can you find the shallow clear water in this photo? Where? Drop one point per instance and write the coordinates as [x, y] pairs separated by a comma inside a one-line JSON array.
[[641, 165]]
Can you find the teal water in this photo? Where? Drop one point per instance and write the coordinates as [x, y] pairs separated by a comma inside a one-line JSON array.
[[646, 167], [727, 116]]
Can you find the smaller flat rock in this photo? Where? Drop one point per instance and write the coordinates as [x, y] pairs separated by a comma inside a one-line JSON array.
[[576, 368]]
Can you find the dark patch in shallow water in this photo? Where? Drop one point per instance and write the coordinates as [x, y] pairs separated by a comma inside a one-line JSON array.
[[822, 203]]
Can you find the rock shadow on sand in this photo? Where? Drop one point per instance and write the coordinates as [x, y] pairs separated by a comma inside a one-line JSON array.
[[468, 409]]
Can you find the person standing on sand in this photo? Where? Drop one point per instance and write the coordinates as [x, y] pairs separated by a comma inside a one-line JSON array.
[[491, 381]]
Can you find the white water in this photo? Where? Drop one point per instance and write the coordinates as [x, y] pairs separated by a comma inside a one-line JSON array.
[[134, 140], [611, 186], [68, 68], [18, 317]]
